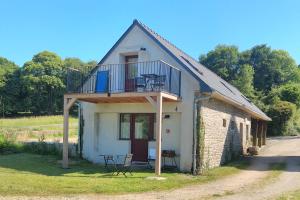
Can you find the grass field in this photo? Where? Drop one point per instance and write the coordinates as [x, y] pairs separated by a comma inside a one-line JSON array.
[[32, 128], [30, 174], [290, 196]]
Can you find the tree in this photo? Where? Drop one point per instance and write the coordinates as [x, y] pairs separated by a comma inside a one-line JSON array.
[[271, 67], [282, 113], [244, 80], [223, 60], [9, 87], [289, 92], [44, 83]]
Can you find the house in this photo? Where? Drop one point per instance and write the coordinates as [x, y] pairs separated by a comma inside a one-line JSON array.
[[146, 93]]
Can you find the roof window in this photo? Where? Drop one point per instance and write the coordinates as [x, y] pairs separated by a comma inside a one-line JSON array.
[[188, 62], [225, 85]]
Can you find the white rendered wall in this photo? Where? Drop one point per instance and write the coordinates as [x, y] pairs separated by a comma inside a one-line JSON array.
[[129, 46]]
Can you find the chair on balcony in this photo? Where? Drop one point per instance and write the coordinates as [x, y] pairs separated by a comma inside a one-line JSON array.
[[140, 82], [102, 79], [159, 82]]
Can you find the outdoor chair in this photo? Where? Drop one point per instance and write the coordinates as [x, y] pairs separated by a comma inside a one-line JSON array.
[[140, 82], [151, 156], [124, 167], [159, 82]]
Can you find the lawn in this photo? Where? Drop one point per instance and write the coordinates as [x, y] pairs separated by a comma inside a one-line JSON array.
[[290, 196], [30, 174], [32, 128]]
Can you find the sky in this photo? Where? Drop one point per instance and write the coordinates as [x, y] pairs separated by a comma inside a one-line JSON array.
[[87, 29]]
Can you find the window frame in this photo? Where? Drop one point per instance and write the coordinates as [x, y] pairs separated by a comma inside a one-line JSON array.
[[120, 128], [152, 117]]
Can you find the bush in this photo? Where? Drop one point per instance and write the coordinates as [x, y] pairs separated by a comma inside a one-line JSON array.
[[8, 144], [282, 113]]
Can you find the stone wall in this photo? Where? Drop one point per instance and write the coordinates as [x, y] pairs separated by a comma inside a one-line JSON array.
[[227, 132]]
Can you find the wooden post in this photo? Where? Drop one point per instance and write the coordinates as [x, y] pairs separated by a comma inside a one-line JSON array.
[[260, 133], [67, 105], [265, 133], [255, 134], [158, 134], [65, 163]]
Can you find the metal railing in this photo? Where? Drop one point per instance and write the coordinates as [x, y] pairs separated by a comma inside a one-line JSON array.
[[130, 77]]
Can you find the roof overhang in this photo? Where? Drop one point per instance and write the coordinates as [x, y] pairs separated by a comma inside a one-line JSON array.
[[230, 101]]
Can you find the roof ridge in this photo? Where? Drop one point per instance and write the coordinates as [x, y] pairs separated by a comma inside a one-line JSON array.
[[147, 27], [170, 43]]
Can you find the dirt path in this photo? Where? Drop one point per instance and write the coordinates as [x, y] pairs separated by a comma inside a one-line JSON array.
[[280, 150], [239, 186]]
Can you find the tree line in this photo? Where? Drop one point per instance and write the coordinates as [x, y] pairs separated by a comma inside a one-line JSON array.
[[267, 77], [38, 86]]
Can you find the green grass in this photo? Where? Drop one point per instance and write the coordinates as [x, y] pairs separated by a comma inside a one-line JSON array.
[[275, 170], [34, 127], [295, 195], [30, 174]]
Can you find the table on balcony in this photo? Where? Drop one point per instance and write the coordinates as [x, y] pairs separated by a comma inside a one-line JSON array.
[[151, 78]]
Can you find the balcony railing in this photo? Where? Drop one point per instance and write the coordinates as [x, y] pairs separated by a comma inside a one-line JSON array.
[[130, 77]]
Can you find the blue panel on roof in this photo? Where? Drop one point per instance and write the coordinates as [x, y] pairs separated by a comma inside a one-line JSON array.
[[101, 82]]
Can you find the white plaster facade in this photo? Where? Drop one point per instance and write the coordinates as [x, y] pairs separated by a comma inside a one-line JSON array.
[[101, 121]]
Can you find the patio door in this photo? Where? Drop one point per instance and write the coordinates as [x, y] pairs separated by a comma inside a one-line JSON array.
[[142, 132], [130, 72]]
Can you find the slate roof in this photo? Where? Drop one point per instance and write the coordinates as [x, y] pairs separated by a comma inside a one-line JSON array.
[[207, 77], [209, 81]]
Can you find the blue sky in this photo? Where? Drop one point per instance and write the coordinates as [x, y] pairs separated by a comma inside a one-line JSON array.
[[87, 29]]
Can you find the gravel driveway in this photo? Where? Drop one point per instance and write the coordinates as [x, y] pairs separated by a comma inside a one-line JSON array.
[[240, 186]]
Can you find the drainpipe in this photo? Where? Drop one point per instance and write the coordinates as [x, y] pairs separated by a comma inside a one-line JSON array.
[[198, 98]]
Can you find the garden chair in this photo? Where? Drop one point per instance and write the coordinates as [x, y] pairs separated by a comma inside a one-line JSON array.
[[140, 82], [151, 156], [124, 167], [159, 82]]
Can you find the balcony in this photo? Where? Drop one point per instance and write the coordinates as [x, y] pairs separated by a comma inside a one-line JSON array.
[[130, 78]]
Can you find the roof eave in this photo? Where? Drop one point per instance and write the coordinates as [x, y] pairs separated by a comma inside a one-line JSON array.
[[217, 95]]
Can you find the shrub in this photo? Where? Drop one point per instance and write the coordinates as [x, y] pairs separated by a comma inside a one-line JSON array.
[[282, 113], [8, 144]]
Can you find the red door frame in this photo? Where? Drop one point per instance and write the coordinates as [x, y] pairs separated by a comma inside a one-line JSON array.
[[139, 147], [129, 82]]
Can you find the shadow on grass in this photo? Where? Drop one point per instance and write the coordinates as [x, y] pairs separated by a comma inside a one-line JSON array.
[[49, 166]]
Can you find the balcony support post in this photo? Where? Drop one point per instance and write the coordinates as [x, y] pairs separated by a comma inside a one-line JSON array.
[[158, 134], [68, 102]]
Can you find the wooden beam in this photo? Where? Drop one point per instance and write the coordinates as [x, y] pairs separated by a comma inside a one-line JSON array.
[[152, 102], [71, 102], [265, 133], [158, 134], [255, 134], [65, 162], [170, 96], [260, 131], [68, 102]]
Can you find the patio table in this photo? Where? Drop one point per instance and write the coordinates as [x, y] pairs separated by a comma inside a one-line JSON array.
[[110, 160], [149, 78]]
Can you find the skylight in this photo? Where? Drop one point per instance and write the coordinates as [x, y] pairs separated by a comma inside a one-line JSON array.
[[188, 62], [225, 85]]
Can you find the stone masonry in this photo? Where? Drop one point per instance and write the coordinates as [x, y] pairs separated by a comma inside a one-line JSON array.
[[227, 132]]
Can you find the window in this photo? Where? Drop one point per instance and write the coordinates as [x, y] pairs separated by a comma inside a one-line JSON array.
[[224, 122], [141, 126], [188, 62], [124, 127], [137, 126], [225, 85]]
